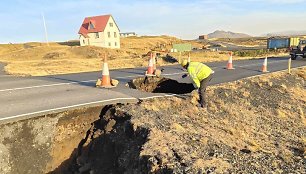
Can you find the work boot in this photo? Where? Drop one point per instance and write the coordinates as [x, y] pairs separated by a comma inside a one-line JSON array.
[[202, 108], [202, 105]]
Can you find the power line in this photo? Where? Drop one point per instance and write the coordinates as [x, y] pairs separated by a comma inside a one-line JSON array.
[[46, 33]]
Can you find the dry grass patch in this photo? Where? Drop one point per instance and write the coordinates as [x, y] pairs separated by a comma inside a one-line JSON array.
[[254, 125], [38, 59], [247, 42]]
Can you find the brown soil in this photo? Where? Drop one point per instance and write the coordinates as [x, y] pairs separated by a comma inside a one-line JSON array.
[[254, 125], [41, 144]]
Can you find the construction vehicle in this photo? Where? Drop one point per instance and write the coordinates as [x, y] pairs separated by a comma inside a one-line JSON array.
[[282, 42], [300, 50]]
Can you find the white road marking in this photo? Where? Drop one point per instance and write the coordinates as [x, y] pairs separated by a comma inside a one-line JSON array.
[[103, 101], [122, 77], [66, 107], [261, 63], [5, 75], [175, 73], [129, 76], [84, 104], [158, 96], [59, 84], [269, 73], [171, 74], [39, 86]]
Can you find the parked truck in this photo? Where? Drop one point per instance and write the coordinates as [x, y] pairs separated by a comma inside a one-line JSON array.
[[299, 50], [282, 42]]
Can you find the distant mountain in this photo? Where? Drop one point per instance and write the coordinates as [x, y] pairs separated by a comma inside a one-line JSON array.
[[227, 34], [287, 33]]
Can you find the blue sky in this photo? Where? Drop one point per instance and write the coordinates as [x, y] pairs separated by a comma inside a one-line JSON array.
[[22, 20]]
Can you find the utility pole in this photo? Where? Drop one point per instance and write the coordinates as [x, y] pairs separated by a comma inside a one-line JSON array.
[[46, 33]]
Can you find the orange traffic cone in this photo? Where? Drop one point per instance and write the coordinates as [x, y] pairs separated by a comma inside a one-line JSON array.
[[188, 58], [264, 67], [105, 81], [150, 71], [153, 56], [230, 62]]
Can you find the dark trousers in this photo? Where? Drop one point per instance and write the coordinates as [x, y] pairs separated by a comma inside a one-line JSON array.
[[202, 90]]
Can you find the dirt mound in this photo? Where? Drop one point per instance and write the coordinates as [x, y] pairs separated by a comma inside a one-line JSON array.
[[160, 85]]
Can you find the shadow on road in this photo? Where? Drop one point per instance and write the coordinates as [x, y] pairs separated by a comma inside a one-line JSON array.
[[2, 72]]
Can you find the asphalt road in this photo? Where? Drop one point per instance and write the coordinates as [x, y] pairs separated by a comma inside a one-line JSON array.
[[25, 97]]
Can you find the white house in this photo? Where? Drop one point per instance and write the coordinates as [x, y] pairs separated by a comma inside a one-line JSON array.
[[128, 34], [100, 31]]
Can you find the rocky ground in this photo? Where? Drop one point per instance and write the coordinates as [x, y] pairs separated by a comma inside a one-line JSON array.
[[254, 125]]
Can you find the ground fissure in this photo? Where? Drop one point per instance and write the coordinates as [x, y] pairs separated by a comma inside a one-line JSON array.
[[161, 85], [254, 125]]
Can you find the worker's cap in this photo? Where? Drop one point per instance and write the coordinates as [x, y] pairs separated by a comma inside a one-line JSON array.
[[184, 62]]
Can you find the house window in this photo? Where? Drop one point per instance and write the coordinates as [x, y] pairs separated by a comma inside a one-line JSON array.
[[115, 43], [111, 24], [115, 35], [109, 44], [109, 35], [91, 26], [97, 35], [83, 41]]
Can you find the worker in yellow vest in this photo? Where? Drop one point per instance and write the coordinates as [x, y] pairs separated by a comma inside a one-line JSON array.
[[201, 74]]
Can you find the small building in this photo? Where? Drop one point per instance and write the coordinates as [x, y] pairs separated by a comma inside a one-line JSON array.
[[100, 31], [203, 37], [182, 47], [128, 34]]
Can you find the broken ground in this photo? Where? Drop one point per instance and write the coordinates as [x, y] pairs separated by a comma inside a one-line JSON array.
[[255, 125]]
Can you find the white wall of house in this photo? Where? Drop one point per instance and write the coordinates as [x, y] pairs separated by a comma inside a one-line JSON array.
[[127, 34], [96, 39], [83, 41], [112, 34], [110, 38]]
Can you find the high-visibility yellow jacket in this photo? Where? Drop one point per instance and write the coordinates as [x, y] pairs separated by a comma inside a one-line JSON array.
[[198, 72]]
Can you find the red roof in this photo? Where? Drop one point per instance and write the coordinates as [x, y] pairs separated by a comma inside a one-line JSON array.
[[99, 23]]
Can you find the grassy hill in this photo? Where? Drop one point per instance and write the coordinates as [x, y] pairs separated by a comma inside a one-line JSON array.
[[227, 34], [37, 59], [68, 57]]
